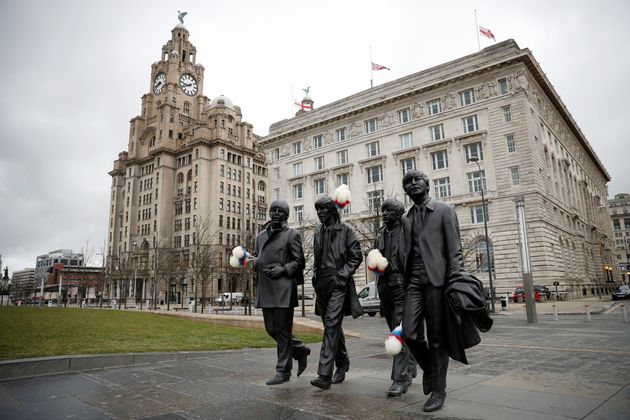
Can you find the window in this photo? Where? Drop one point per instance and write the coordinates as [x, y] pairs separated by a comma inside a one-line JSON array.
[[343, 179], [220, 205], [371, 126], [297, 147], [476, 181], [342, 157], [437, 132], [222, 170], [507, 113], [481, 258], [340, 134], [476, 214], [275, 154], [404, 115], [276, 193], [440, 160], [375, 199], [434, 106], [406, 141], [516, 177], [407, 165], [372, 149], [319, 163], [511, 146], [298, 212], [467, 97], [374, 174], [442, 187], [320, 186], [318, 141], [470, 124], [473, 150], [503, 86], [298, 191], [298, 169]]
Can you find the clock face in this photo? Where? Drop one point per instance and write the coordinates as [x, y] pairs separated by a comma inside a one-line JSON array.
[[188, 84], [159, 83]]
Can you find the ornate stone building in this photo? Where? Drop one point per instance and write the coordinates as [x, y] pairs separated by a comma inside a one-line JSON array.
[[192, 178], [496, 105], [619, 208]]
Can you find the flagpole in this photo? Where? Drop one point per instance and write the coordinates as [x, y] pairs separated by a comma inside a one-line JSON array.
[[292, 102], [371, 70], [477, 30]]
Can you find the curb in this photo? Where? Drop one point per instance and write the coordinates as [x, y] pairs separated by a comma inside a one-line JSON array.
[[40, 366]]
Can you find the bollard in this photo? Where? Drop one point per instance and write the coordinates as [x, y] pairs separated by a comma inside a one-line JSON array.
[[624, 315], [555, 312], [588, 313]]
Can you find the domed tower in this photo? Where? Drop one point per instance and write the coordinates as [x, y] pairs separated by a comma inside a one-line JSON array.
[[193, 175]]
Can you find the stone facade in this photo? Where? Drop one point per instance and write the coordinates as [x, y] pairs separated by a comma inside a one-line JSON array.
[[619, 208], [193, 176], [497, 105]]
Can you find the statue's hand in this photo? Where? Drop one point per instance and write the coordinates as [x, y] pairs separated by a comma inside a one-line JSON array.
[[274, 271]]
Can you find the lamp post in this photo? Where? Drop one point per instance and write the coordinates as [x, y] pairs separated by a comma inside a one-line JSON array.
[[485, 226]]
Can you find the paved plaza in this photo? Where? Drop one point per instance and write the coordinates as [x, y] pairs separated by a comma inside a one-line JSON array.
[[556, 369]]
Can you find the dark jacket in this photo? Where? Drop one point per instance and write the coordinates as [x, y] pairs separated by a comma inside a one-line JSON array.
[[283, 248], [466, 314], [347, 252], [398, 246], [440, 244]]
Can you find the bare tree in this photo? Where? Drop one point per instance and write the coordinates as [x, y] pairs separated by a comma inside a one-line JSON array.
[[306, 228], [204, 258], [124, 274]]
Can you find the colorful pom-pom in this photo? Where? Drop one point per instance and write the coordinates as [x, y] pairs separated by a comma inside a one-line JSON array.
[[341, 196], [240, 255], [394, 341], [376, 261]]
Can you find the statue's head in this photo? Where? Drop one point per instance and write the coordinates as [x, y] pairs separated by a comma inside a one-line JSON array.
[[393, 206], [416, 184], [327, 212], [279, 211]]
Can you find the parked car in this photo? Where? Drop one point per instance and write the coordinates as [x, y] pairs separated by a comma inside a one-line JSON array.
[[520, 292], [368, 297], [622, 292]]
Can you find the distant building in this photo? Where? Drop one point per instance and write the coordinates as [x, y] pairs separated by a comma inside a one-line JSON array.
[[496, 105], [60, 256], [619, 208], [193, 174], [23, 282]]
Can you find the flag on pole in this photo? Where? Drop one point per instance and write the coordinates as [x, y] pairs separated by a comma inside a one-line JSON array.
[[303, 105], [378, 67], [487, 33]]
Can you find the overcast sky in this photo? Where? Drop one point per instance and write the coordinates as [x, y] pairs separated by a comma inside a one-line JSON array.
[[73, 73]]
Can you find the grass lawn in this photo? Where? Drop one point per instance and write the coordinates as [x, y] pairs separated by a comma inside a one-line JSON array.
[[33, 332]]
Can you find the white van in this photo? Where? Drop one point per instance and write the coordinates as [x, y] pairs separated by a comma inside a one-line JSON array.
[[234, 298], [369, 299]]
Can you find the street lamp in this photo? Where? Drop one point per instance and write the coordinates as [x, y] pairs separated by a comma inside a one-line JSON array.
[[485, 226]]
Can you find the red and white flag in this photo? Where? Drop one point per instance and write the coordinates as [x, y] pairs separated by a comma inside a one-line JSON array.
[[378, 67], [303, 105], [487, 33]]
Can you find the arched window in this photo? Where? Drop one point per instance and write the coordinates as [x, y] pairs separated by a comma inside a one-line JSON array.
[[261, 186], [481, 257], [180, 178]]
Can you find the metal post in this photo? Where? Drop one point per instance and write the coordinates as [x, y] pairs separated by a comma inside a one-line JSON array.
[[555, 312], [59, 294], [588, 313], [485, 227], [528, 281], [624, 315]]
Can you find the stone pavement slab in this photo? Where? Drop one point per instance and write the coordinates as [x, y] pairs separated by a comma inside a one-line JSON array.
[[563, 369]]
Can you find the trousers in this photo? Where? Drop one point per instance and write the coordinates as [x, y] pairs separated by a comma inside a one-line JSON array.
[[331, 297], [425, 304], [392, 296], [279, 326]]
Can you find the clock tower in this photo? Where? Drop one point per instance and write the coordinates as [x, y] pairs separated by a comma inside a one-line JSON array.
[[193, 174]]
